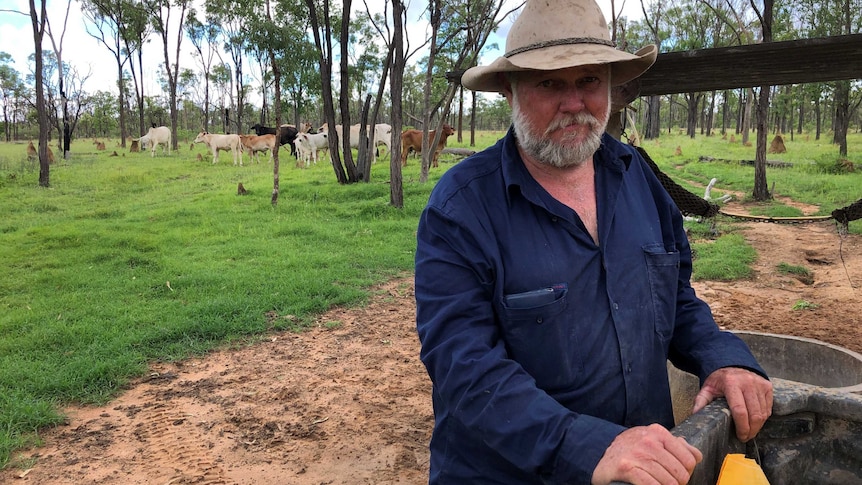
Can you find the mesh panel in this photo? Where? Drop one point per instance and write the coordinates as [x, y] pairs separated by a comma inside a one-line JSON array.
[[688, 203], [692, 205]]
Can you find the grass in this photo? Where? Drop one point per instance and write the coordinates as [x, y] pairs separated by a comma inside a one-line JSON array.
[[790, 269], [128, 260]]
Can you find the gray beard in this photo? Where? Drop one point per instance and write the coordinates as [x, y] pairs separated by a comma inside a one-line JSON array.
[[546, 151]]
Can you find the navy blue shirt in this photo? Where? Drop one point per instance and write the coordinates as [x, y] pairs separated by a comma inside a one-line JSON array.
[[541, 345]]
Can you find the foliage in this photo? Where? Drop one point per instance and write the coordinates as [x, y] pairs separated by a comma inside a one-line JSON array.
[[804, 305]]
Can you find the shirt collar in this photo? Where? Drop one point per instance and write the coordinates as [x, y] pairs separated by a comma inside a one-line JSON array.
[[611, 155]]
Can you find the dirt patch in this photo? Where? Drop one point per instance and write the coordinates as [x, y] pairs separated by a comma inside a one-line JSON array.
[[348, 402]]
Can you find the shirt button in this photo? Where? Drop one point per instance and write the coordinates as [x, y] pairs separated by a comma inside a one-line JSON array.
[[539, 320], [616, 306], [554, 219]]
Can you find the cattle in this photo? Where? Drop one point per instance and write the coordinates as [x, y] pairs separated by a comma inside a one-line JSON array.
[[288, 134], [218, 142], [412, 140], [155, 137], [383, 134], [308, 144], [380, 133], [257, 143], [32, 154]]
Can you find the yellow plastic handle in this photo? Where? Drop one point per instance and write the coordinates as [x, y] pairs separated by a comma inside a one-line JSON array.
[[739, 470]]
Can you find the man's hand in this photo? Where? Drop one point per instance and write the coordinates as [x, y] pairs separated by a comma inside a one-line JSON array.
[[647, 455], [748, 395]]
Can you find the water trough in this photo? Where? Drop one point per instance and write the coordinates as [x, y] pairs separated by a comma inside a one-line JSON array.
[[815, 433]]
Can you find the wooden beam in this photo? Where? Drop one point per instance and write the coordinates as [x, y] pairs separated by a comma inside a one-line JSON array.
[[770, 64]]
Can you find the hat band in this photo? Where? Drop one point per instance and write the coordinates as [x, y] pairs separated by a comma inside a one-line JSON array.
[[552, 43]]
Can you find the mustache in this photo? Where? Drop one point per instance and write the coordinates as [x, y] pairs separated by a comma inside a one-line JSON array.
[[582, 118]]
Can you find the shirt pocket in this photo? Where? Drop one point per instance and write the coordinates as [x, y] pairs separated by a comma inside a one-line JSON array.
[[540, 337], [663, 273]]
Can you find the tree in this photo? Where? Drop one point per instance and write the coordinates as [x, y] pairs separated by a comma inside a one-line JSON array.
[[134, 33], [464, 28], [231, 21], [61, 77], [827, 18], [10, 84], [71, 101], [654, 24], [203, 38], [396, 190], [108, 17], [323, 34], [161, 11], [37, 20]]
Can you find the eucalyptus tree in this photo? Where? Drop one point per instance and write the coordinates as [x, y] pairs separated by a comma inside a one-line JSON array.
[[66, 135], [655, 20], [231, 18], [100, 120], [761, 189], [296, 58], [108, 18], [459, 31], [161, 12], [64, 95], [322, 26], [10, 85], [203, 37], [822, 18], [396, 48], [222, 79], [38, 20], [135, 32]]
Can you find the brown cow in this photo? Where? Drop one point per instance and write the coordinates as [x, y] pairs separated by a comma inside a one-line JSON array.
[[412, 140], [32, 154]]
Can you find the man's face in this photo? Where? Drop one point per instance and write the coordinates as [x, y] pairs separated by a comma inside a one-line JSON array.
[[559, 116]]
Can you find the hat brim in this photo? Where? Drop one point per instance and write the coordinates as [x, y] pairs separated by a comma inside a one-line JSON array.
[[624, 66]]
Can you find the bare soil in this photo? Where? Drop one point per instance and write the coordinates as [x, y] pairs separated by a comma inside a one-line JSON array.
[[348, 401]]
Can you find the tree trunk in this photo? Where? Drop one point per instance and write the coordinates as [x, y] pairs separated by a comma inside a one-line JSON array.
[[653, 118], [746, 115], [842, 116], [38, 23], [396, 189], [817, 117], [426, 155], [761, 189], [344, 95], [276, 74], [692, 100]]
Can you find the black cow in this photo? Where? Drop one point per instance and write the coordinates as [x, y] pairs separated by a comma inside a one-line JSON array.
[[288, 134]]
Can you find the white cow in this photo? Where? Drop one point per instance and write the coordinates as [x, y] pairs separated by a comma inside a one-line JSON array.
[[307, 146], [218, 142], [380, 133], [383, 134], [156, 136]]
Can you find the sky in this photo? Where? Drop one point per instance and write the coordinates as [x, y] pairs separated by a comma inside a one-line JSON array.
[[89, 55]]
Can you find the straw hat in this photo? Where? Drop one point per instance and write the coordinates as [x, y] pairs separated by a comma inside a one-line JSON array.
[[556, 34]]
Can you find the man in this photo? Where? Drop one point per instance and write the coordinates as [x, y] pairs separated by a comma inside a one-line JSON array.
[[553, 283]]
